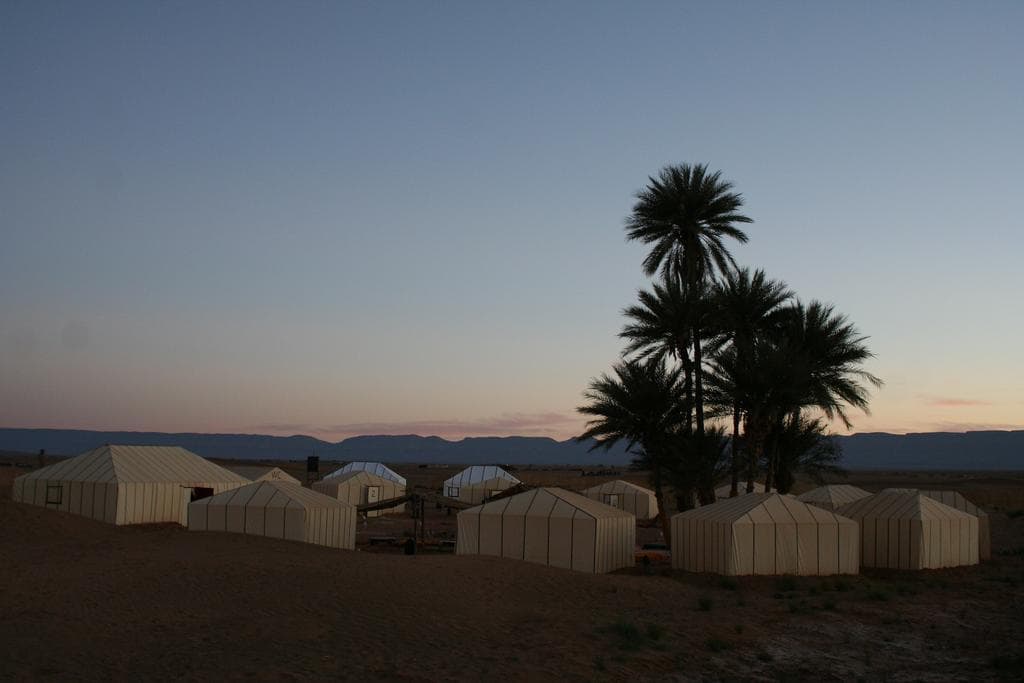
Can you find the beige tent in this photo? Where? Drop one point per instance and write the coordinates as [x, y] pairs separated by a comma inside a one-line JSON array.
[[474, 484], [908, 530], [264, 474], [380, 469], [722, 492], [278, 510], [955, 500], [833, 496], [359, 487], [629, 497], [126, 484], [764, 533], [550, 526]]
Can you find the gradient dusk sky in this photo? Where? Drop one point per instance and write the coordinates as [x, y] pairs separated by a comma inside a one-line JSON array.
[[344, 218]]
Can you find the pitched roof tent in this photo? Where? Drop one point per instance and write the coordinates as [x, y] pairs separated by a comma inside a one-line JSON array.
[[278, 510], [355, 487], [125, 484], [380, 469], [626, 495], [764, 533], [908, 530], [833, 496], [254, 473], [477, 474], [550, 526]]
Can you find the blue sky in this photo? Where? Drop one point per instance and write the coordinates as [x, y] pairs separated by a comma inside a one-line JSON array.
[[407, 217]]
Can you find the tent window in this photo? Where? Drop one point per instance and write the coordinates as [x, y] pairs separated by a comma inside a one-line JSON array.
[[612, 499], [54, 494], [453, 492], [198, 493]]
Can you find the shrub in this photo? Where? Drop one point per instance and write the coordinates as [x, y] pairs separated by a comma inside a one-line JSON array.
[[704, 604], [1014, 514], [628, 635], [786, 584], [729, 583]]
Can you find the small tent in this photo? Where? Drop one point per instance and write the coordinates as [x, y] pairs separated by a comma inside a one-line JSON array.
[[627, 496], [278, 510], [955, 500], [126, 484], [722, 492], [550, 526], [764, 533], [360, 487], [474, 484], [908, 530], [380, 469], [833, 496], [264, 474]]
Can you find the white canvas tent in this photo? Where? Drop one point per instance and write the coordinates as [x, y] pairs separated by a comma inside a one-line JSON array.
[[475, 483], [764, 533], [380, 469], [908, 530], [722, 492], [360, 487], [126, 484], [832, 496], [550, 526], [956, 500], [627, 496], [277, 510], [255, 473]]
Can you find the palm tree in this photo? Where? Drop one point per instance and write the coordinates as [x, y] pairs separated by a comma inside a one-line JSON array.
[[686, 213], [700, 462], [639, 404], [746, 305], [803, 446], [660, 326]]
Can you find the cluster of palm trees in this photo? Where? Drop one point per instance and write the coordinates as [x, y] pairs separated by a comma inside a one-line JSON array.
[[725, 372]]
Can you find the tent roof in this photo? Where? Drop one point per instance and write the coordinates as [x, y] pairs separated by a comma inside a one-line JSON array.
[[765, 507], [891, 504], [477, 474], [140, 464], [618, 486], [546, 498], [835, 494], [254, 472], [380, 469], [273, 494], [368, 478]]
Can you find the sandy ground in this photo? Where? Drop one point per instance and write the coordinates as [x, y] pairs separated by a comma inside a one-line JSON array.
[[85, 600]]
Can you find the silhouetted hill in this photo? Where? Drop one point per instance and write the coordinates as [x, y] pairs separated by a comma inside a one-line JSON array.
[[938, 450]]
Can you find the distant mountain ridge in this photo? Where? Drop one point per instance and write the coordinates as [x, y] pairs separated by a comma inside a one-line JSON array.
[[989, 450]]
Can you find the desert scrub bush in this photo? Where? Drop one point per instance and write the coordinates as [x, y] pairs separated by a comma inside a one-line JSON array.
[[765, 657], [879, 595], [655, 632], [829, 604], [1014, 514], [728, 583], [627, 635], [704, 604], [716, 644]]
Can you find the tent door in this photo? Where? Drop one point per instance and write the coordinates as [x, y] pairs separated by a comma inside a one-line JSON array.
[[373, 496], [200, 492], [613, 500]]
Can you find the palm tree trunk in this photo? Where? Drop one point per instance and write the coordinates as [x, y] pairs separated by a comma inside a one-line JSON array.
[[734, 489], [698, 384], [659, 496], [683, 351]]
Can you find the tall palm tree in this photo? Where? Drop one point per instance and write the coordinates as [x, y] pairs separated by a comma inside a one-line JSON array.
[[803, 446], [746, 306], [686, 213], [699, 463], [639, 404]]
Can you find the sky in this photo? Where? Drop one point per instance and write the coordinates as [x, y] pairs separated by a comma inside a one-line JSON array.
[[370, 218]]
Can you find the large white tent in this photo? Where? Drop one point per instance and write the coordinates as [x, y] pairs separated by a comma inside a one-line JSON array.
[[360, 487], [956, 500], [380, 469], [908, 530], [627, 496], [550, 526], [126, 484], [832, 496], [475, 483], [258, 473], [278, 510], [764, 533]]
